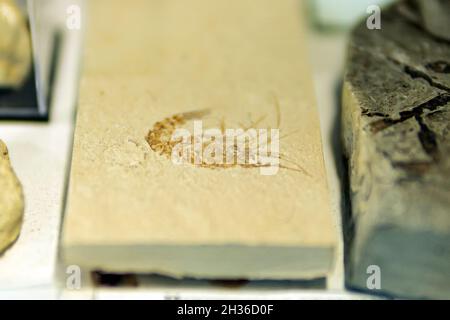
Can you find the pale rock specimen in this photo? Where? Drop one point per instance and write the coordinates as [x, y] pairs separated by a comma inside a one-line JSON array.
[[432, 15], [15, 45], [11, 201]]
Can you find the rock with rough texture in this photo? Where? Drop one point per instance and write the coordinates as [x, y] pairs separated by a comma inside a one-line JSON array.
[[396, 132], [15, 45], [11, 201]]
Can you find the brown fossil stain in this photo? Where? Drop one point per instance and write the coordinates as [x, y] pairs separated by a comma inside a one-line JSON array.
[[160, 141]]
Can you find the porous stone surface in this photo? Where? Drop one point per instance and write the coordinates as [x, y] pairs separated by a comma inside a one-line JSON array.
[[396, 133], [11, 201], [15, 46]]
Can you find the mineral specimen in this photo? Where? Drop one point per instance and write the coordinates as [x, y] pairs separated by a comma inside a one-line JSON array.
[[11, 201]]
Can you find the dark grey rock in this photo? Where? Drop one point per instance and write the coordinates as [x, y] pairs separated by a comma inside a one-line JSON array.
[[396, 133]]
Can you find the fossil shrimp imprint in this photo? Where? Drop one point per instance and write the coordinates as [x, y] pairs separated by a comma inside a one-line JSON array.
[[160, 141]]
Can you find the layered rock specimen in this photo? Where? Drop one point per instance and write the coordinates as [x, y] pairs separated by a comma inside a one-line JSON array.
[[396, 131], [11, 201], [15, 45]]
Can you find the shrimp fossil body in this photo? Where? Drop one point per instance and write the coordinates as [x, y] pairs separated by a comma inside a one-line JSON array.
[[160, 140]]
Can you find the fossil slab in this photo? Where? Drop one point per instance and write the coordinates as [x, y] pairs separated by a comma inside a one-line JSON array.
[[396, 119], [11, 201], [165, 66]]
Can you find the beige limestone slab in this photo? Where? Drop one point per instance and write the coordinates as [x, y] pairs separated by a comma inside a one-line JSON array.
[[131, 209]]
